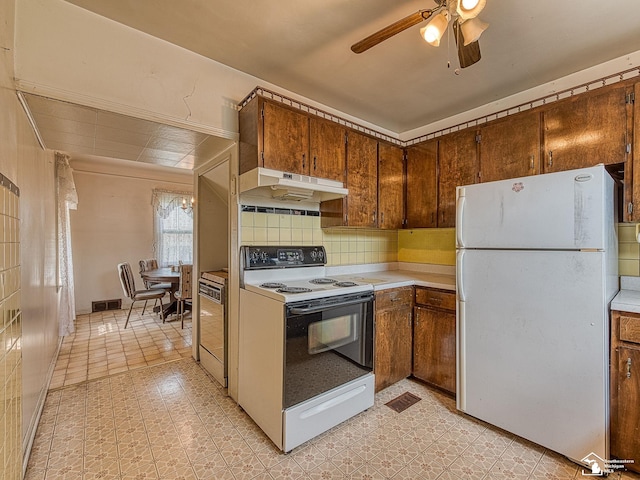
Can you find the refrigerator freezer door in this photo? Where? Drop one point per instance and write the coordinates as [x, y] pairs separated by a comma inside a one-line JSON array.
[[532, 346], [569, 210]]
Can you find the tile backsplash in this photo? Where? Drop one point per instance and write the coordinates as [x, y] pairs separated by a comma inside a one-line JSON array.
[[348, 246], [344, 246], [628, 250]]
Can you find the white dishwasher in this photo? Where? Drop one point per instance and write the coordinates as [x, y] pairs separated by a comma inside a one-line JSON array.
[[213, 325]]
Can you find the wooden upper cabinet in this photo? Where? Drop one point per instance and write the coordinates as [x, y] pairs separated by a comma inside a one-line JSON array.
[[362, 180], [458, 165], [422, 185], [585, 130], [327, 149], [510, 147], [359, 207], [632, 182], [390, 186], [286, 139]]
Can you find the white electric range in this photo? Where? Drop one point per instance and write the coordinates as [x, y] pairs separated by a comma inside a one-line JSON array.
[[306, 344]]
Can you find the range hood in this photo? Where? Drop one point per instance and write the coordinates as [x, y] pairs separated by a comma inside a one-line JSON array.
[[290, 186]]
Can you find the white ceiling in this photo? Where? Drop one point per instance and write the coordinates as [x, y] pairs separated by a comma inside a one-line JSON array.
[[403, 83], [304, 47], [84, 131]]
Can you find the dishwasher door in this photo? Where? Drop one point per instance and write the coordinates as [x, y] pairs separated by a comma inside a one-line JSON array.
[[213, 330]]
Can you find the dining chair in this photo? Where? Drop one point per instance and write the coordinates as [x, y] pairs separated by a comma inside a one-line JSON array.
[[129, 288], [151, 264], [184, 293]]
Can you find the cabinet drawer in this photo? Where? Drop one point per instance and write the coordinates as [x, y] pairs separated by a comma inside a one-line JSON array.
[[629, 329], [436, 298], [394, 298]]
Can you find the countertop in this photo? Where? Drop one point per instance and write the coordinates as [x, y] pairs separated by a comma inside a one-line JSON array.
[[626, 301], [628, 298], [383, 279]]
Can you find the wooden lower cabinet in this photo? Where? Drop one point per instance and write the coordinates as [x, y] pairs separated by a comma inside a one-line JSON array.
[[434, 338], [392, 360], [625, 388]]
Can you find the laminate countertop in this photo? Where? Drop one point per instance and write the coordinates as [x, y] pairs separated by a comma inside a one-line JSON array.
[[385, 279], [626, 301]]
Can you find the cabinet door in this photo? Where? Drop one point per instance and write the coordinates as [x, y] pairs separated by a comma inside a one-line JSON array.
[[434, 347], [327, 149], [393, 346], [362, 180], [390, 186], [457, 165], [585, 130], [510, 148], [285, 139], [625, 440], [422, 185]]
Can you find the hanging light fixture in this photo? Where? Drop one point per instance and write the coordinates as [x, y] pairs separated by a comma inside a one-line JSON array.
[[472, 29], [467, 27], [468, 9], [187, 207], [434, 30]]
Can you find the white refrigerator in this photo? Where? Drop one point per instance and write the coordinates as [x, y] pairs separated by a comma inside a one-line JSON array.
[[537, 268]]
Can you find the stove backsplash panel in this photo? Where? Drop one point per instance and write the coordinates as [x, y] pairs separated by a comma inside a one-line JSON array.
[[343, 246]]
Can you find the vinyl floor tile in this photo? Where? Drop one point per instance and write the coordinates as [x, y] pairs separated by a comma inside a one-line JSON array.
[[173, 421]]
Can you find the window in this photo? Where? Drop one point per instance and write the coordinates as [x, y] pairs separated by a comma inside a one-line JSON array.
[[173, 221]]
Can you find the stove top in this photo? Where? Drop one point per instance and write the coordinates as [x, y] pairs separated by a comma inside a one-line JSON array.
[[290, 274]]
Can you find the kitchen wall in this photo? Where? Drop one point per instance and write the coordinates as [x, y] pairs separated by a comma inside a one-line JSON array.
[[114, 223], [628, 250], [29, 330], [344, 246]]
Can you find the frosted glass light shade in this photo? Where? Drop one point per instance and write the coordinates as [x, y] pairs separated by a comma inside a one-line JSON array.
[[434, 30], [472, 29], [468, 9]]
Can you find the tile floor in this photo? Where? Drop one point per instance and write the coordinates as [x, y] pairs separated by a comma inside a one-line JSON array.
[[172, 421], [101, 346]]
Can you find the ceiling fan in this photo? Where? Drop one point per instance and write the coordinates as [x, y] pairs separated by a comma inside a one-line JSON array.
[[463, 14]]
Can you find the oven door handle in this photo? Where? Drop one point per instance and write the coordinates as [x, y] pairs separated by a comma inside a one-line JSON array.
[[327, 306]]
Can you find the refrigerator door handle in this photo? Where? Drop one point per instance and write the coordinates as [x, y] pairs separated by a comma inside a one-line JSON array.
[[459, 216], [460, 275]]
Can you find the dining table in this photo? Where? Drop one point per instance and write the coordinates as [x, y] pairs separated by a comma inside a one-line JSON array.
[[165, 275]]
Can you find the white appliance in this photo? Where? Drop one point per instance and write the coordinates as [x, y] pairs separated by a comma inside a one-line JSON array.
[[536, 272], [212, 294], [306, 344], [290, 186]]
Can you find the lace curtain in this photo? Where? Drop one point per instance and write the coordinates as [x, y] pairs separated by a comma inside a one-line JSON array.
[[173, 225], [67, 200]]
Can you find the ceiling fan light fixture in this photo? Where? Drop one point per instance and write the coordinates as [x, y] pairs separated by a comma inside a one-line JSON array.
[[434, 30], [472, 29], [468, 9]]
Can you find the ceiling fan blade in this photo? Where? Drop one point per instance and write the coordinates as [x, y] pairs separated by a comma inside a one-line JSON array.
[[391, 30], [467, 54]]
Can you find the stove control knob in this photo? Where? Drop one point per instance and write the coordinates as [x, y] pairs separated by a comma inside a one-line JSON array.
[[264, 257], [320, 256], [314, 255]]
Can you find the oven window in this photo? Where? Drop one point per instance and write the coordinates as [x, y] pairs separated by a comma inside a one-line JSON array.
[[326, 349], [332, 333]]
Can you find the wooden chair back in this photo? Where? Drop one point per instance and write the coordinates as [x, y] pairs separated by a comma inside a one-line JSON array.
[[126, 279], [184, 289]]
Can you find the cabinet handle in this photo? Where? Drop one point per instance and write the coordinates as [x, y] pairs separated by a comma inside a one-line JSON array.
[[314, 162], [550, 158], [304, 160], [435, 300], [628, 367], [373, 216], [531, 158], [432, 219]]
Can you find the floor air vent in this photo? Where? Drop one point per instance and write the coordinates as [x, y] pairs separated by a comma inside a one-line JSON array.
[[103, 305], [404, 401]]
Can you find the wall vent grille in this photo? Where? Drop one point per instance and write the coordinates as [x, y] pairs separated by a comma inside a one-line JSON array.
[[104, 305]]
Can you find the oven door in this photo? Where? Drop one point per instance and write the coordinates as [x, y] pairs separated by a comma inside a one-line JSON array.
[[329, 342]]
